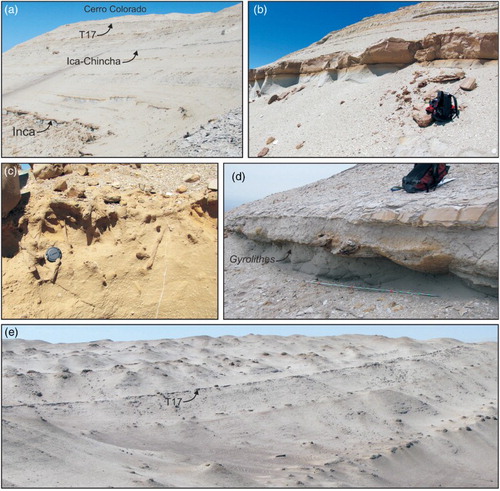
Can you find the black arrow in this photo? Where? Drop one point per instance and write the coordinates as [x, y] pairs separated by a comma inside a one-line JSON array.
[[195, 394], [109, 29], [43, 131], [287, 254], [128, 61]]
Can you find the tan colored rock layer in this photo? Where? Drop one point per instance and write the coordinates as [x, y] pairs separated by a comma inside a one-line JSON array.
[[447, 46], [459, 45], [392, 50]]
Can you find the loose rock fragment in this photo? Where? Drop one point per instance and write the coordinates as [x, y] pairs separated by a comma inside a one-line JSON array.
[[191, 178], [61, 186], [468, 84]]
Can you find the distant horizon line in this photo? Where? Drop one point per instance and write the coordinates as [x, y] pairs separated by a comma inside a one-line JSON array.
[[443, 338]]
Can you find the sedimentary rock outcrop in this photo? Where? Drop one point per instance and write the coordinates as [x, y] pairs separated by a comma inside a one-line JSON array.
[[451, 230], [124, 234], [451, 31], [392, 51], [48, 171], [11, 191], [382, 68], [59, 78], [458, 46]]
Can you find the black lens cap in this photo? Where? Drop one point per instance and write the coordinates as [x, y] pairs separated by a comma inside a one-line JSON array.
[[53, 254]]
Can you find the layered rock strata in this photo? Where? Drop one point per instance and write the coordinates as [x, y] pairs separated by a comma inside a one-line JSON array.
[[187, 74], [354, 214], [423, 33], [392, 51]]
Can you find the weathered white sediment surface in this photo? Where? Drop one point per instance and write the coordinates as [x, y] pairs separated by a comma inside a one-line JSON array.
[[271, 412], [355, 215], [187, 74]]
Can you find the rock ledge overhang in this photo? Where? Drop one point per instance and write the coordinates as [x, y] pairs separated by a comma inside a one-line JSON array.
[[456, 45], [354, 213]]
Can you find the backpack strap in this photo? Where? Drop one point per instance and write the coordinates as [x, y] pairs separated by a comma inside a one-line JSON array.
[[438, 104], [447, 106], [435, 175], [455, 113]]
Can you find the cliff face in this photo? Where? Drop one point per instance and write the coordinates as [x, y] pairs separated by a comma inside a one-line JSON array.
[[420, 25], [355, 215]]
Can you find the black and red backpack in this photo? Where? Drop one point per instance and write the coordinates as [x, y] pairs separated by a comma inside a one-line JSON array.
[[424, 177], [443, 108]]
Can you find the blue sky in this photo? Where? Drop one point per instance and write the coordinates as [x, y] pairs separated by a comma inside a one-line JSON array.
[[85, 333], [35, 18], [264, 179], [290, 26]]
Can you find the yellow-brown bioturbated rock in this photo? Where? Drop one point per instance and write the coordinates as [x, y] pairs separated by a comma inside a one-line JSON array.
[[131, 247]]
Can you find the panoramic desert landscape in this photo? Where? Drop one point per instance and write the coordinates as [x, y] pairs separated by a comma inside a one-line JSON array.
[[264, 411], [180, 96], [350, 229], [137, 241], [384, 69]]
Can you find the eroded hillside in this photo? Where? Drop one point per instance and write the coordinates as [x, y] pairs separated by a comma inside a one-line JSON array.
[[258, 411], [140, 90]]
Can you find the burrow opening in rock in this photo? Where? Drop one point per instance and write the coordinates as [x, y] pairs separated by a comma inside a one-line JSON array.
[[209, 206]]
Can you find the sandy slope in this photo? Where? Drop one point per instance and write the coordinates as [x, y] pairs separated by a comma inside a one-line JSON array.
[[188, 72], [271, 411], [328, 127], [360, 111]]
